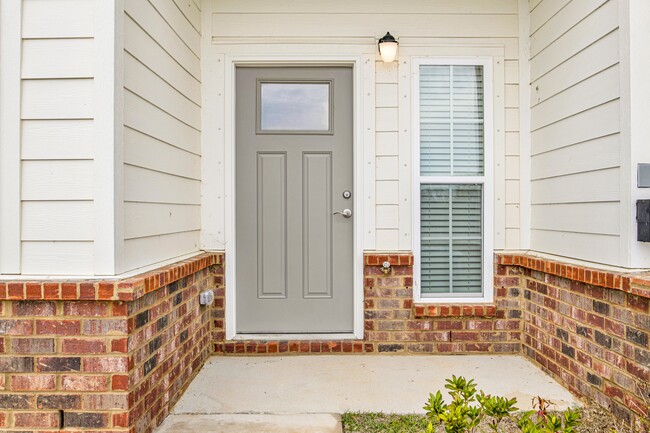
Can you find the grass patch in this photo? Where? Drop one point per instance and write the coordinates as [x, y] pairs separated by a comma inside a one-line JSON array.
[[594, 420], [372, 422]]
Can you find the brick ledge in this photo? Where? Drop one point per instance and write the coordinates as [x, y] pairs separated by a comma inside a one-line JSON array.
[[454, 310], [636, 284], [395, 259], [128, 289]]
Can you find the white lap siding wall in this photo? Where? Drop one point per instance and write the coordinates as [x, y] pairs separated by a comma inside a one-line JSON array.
[[578, 177], [162, 130], [101, 162], [424, 28], [57, 138]]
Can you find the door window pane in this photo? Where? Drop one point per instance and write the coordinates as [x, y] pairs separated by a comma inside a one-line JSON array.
[[294, 107]]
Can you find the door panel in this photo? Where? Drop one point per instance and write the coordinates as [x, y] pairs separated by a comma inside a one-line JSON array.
[[272, 225], [294, 256], [317, 227]]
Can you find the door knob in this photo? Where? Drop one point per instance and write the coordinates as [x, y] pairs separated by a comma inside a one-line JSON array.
[[347, 213]]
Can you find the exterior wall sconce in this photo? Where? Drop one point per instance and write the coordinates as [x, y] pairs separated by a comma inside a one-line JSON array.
[[385, 268], [388, 47]]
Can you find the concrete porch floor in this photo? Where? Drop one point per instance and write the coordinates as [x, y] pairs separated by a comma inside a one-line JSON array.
[[298, 385]]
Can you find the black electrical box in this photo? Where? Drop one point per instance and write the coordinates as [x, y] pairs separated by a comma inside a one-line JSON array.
[[643, 220]]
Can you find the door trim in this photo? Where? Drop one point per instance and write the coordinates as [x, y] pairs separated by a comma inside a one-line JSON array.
[[358, 122]]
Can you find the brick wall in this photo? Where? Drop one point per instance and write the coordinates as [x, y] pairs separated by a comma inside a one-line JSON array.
[[393, 324], [104, 364], [587, 328], [65, 364], [105, 356], [168, 344], [592, 339]]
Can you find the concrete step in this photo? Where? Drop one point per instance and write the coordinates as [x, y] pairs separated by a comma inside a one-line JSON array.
[[258, 423]]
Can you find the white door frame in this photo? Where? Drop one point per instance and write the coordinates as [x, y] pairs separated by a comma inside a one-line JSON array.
[[359, 125]]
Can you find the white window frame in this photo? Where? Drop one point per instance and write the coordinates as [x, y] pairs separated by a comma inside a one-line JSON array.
[[487, 180]]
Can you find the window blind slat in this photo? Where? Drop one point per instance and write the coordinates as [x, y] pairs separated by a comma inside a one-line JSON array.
[[451, 113], [451, 238]]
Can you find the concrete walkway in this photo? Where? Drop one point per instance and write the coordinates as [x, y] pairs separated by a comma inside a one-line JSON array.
[[336, 384]]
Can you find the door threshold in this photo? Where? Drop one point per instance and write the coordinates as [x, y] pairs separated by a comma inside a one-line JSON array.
[[295, 337]]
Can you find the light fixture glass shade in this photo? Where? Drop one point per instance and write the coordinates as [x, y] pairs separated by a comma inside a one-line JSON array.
[[388, 48]]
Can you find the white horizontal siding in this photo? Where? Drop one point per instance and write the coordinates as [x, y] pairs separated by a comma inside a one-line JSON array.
[[591, 247], [363, 7], [591, 29], [152, 22], [542, 11], [58, 58], [58, 19], [57, 258], [153, 219], [386, 95], [173, 15], [563, 21], [58, 99], [588, 218], [578, 98], [387, 119], [57, 180], [273, 24], [191, 11], [145, 251], [387, 143], [591, 186], [597, 57], [575, 119], [599, 154], [145, 117], [139, 148], [58, 137], [387, 216], [588, 125], [449, 28], [162, 119], [57, 221], [144, 48], [143, 82], [149, 186]]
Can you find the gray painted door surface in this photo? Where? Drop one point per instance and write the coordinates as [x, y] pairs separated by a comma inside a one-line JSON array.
[[293, 166]]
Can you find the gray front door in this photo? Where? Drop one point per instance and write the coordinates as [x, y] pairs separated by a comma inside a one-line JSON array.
[[293, 172]]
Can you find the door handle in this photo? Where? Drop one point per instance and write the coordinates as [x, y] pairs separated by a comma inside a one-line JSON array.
[[347, 213]]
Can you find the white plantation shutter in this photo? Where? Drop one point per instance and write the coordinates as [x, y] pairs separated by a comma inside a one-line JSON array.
[[451, 214], [451, 120]]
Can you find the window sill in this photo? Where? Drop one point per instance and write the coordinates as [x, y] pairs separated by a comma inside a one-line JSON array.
[[455, 310]]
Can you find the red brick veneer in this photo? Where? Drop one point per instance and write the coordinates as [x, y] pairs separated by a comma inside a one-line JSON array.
[[586, 327], [105, 290], [393, 324], [100, 365], [635, 283], [592, 337], [117, 359]]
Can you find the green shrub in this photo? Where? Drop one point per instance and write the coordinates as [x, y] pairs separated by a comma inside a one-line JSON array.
[[469, 407]]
